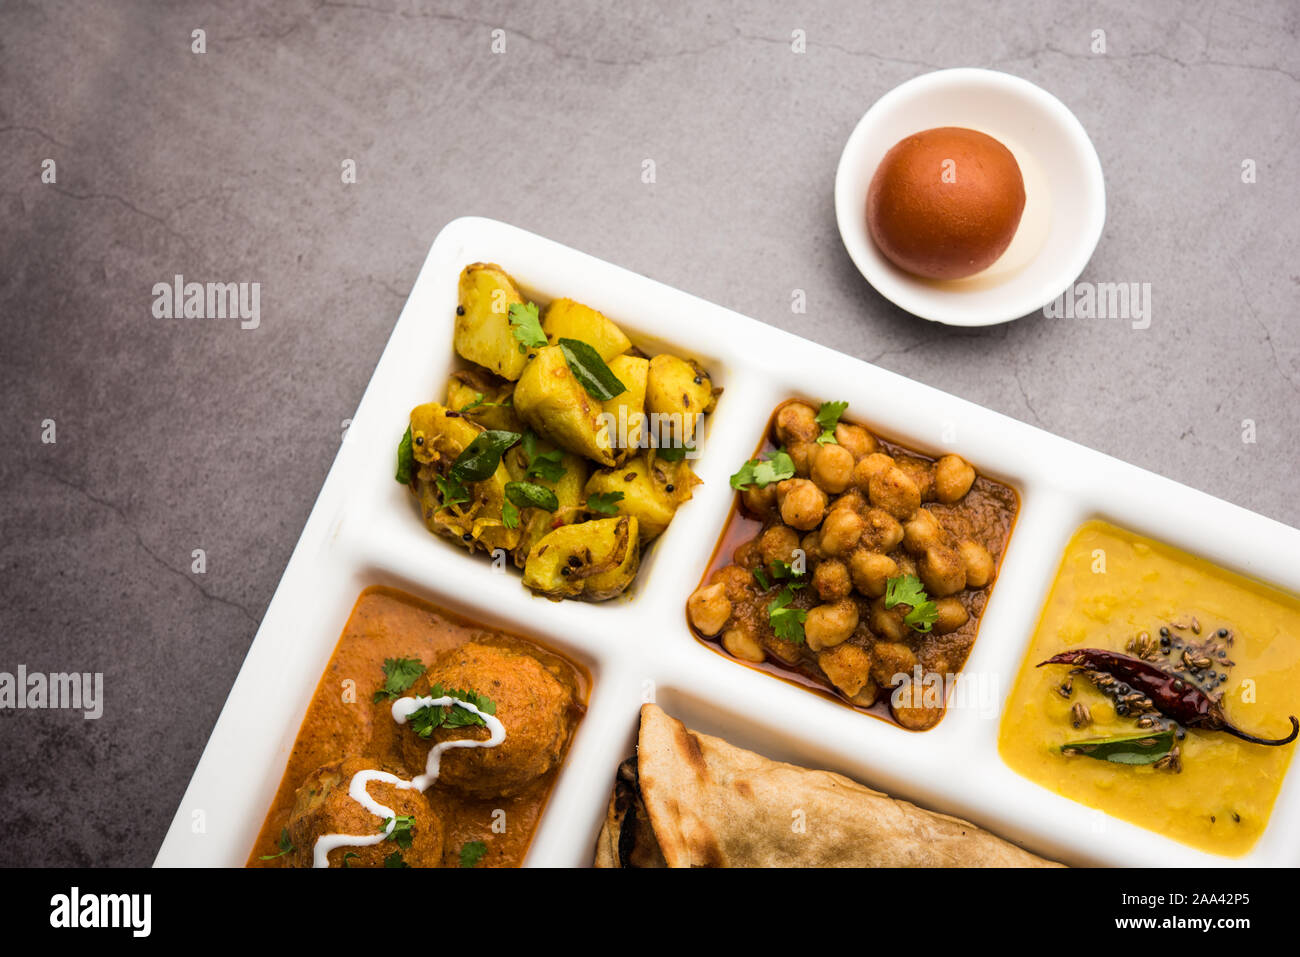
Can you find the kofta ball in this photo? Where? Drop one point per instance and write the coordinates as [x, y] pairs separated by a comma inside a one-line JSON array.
[[322, 805], [945, 203], [531, 703]]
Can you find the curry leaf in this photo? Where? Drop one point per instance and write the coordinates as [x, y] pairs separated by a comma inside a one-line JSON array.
[[590, 370]]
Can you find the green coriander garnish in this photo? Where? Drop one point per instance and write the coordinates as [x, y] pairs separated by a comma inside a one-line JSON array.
[[472, 853], [761, 472], [787, 621], [604, 503], [403, 831], [399, 674], [526, 326], [425, 720], [828, 416], [286, 846], [908, 590], [395, 860]]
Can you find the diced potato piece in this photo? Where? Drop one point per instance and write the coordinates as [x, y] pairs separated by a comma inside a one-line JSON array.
[[566, 319], [675, 387], [550, 399], [628, 407], [482, 330], [568, 490], [651, 492], [494, 410], [438, 436], [591, 560]]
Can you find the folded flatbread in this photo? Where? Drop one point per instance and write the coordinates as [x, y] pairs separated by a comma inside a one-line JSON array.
[[691, 800]]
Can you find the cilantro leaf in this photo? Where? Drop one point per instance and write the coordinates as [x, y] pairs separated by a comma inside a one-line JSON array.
[[403, 831], [452, 491], [347, 858], [425, 720], [509, 515], [908, 590], [472, 853], [764, 582], [526, 326], [399, 674], [286, 846], [775, 467], [395, 860], [828, 416], [604, 503], [787, 622], [405, 458]]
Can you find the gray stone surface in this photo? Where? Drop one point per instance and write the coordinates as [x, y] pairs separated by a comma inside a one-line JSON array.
[[226, 166]]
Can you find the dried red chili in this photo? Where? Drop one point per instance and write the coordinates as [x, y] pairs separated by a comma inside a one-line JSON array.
[[1173, 696]]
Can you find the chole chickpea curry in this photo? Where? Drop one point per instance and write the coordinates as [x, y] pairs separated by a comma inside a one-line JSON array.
[[426, 733], [855, 566], [561, 444]]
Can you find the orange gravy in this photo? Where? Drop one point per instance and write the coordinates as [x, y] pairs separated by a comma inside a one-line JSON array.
[[342, 720]]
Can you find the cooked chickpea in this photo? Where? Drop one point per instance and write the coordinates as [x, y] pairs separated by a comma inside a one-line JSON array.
[[888, 622], [866, 695], [868, 466], [777, 543], [828, 625], [883, 531], [871, 571], [760, 501], [892, 490], [847, 666], [802, 503], [832, 468], [851, 501], [740, 644], [953, 477], [737, 582], [921, 473], [952, 615], [811, 546], [916, 718], [801, 454], [856, 439], [840, 532], [889, 660], [922, 532], [978, 561], [831, 580], [787, 652], [709, 608], [942, 571], [796, 422]]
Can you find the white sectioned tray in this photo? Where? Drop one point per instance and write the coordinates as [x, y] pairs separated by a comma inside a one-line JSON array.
[[364, 531]]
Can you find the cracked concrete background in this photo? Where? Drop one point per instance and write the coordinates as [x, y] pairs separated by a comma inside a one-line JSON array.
[[225, 166]]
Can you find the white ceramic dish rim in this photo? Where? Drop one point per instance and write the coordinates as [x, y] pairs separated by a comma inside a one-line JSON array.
[[955, 307], [362, 531]]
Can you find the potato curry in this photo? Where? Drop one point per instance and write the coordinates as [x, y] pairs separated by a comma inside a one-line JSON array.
[[561, 444], [856, 566], [430, 742]]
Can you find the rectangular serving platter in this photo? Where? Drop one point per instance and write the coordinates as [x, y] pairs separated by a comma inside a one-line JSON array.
[[364, 531]]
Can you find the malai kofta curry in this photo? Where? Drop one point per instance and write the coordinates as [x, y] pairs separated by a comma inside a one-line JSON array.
[[561, 444], [855, 566], [1160, 689], [430, 742]]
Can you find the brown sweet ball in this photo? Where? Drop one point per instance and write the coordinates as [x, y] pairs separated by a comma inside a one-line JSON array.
[[945, 203]]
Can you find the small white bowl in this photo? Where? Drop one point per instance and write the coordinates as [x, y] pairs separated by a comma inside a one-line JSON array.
[[1065, 195]]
